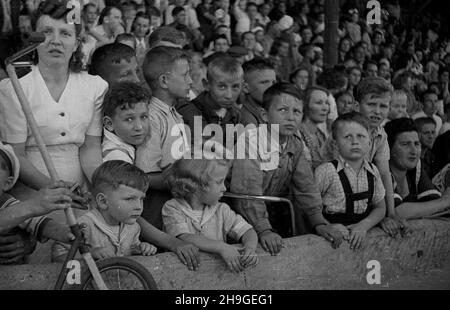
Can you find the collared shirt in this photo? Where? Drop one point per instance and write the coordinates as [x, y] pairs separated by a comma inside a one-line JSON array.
[[290, 176], [167, 140], [252, 112], [99, 234], [332, 191], [216, 223], [379, 149], [113, 148]]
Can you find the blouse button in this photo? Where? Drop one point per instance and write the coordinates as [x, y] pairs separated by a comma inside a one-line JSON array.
[[62, 114], [63, 134]]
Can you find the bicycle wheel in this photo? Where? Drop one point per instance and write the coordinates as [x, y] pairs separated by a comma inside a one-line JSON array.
[[120, 273]]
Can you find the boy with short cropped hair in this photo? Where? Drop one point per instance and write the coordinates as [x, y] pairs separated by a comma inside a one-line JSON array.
[[115, 62], [166, 70], [110, 227], [259, 74], [350, 186], [374, 95], [281, 170], [125, 120], [217, 104]]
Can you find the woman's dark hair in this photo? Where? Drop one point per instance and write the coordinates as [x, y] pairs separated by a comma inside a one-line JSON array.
[[397, 127], [58, 9]]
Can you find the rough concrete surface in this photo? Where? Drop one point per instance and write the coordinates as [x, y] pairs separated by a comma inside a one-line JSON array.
[[419, 261]]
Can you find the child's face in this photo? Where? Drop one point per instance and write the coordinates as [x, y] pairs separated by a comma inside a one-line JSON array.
[[345, 104], [398, 106], [249, 41], [287, 112], [258, 81], [123, 71], [352, 141], [130, 125], [221, 45], [225, 88], [427, 134], [354, 77], [179, 79], [318, 107], [123, 205], [5, 178], [375, 108], [301, 79], [216, 187]]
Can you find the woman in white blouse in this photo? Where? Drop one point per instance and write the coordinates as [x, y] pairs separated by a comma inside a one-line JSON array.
[[66, 104]]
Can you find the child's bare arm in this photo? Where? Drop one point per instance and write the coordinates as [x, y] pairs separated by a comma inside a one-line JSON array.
[[229, 253], [250, 242], [187, 253]]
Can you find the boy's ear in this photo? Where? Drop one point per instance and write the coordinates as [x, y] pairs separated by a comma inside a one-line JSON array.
[[9, 183], [245, 87], [107, 123], [162, 81], [205, 84], [101, 201]]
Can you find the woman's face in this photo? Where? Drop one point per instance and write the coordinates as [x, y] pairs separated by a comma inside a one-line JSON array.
[[355, 77], [283, 50], [60, 41], [318, 107]]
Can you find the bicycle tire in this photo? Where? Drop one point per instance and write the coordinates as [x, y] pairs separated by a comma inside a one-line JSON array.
[[119, 263]]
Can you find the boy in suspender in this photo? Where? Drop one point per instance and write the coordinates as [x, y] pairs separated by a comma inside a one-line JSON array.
[[351, 187]]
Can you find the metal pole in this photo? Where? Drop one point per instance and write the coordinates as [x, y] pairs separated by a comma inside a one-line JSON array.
[[331, 37]]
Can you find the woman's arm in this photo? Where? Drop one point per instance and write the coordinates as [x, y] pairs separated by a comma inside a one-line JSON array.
[[413, 210], [90, 155], [29, 174]]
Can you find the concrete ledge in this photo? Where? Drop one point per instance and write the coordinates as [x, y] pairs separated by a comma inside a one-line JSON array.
[[306, 262]]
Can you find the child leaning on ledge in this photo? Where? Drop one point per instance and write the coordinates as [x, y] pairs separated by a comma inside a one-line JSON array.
[[195, 215], [111, 228], [28, 215], [125, 121], [351, 187]]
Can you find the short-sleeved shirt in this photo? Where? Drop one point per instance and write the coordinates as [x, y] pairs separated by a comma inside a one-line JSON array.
[[332, 191], [217, 222], [113, 148], [68, 121], [379, 150], [420, 187], [167, 140], [99, 234]]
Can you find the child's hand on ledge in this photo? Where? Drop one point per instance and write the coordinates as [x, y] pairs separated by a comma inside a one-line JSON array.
[[147, 249], [231, 256], [357, 236], [271, 242], [101, 253], [249, 258]]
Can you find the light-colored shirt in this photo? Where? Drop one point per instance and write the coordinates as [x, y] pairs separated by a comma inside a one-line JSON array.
[[114, 148], [332, 191], [99, 234], [217, 222], [7, 23], [167, 140]]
